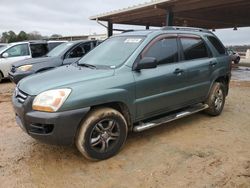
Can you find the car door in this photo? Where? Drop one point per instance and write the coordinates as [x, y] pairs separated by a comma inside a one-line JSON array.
[[159, 90], [13, 54], [77, 53], [199, 66]]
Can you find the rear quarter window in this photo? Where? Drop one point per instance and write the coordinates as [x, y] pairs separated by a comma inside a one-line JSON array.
[[217, 45]]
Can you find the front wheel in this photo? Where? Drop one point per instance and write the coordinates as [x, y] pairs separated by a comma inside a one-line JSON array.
[[102, 134], [216, 99]]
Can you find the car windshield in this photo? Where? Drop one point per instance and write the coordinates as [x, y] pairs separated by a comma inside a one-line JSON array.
[[60, 49], [113, 52]]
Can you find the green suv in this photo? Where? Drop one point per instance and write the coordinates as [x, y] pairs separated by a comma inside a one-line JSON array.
[[131, 82]]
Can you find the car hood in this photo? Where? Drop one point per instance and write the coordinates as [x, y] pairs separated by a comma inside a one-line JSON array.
[[35, 61], [62, 77]]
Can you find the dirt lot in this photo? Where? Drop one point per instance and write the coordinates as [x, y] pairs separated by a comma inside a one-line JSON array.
[[198, 151]]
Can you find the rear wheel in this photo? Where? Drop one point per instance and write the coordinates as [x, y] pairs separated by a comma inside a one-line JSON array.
[[102, 134], [216, 99], [237, 61], [1, 77]]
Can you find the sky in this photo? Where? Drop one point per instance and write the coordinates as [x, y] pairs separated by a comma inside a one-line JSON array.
[[72, 18]]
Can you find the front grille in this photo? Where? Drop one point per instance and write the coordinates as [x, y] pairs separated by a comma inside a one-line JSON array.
[[21, 96]]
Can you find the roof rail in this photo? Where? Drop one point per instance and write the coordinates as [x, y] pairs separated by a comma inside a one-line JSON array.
[[186, 29], [129, 30]]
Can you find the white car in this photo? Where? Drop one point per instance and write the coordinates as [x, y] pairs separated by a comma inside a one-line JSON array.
[[14, 52]]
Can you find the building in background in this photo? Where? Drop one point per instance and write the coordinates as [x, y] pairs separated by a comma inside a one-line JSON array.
[[81, 37]]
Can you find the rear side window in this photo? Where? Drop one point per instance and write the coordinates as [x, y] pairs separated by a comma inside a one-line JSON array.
[[38, 50], [217, 45], [164, 50], [194, 48]]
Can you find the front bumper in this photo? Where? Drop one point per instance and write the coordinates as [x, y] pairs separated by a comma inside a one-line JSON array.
[[17, 76], [57, 128]]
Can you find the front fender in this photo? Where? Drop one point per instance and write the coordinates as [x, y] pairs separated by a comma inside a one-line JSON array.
[[77, 101]]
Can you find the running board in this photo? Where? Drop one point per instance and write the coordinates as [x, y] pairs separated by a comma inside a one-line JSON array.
[[188, 111]]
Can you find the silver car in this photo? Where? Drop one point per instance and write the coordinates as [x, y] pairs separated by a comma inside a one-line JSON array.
[[234, 56], [18, 51]]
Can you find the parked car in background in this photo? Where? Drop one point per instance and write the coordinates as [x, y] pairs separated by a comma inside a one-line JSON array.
[[235, 57], [18, 51], [63, 54], [131, 82], [51, 44], [2, 45]]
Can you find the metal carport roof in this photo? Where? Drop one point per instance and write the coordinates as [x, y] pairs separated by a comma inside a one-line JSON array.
[[211, 14]]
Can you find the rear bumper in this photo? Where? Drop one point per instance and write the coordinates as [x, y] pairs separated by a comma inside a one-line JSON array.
[[57, 128], [17, 76]]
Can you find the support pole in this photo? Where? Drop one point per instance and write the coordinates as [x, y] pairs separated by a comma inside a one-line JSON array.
[[169, 18], [110, 28]]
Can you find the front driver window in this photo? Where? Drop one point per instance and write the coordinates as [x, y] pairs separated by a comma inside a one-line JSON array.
[[18, 50], [164, 50]]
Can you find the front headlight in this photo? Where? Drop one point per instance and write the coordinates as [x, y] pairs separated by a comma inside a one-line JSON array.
[[24, 68], [50, 101]]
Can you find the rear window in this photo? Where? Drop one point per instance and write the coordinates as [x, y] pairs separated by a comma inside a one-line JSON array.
[[194, 48], [217, 45], [38, 50]]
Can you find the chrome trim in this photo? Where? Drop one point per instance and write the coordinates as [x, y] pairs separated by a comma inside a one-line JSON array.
[[144, 126], [21, 96]]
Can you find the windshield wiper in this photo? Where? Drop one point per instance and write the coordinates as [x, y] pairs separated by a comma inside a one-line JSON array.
[[86, 65]]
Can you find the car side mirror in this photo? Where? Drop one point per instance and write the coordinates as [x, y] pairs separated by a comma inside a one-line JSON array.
[[146, 63], [5, 55]]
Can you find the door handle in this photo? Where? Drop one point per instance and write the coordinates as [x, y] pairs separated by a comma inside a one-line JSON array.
[[213, 63], [178, 71]]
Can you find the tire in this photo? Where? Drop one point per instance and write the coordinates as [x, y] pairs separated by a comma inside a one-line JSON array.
[[237, 61], [102, 134], [1, 77], [216, 99]]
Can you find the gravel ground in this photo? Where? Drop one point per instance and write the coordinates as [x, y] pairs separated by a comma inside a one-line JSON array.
[[197, 151]]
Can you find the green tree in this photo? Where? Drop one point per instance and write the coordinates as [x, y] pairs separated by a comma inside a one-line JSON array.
[[4, 37], [8, 37], [22, 36], [55, 36], [12, 37], [35, 35]]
